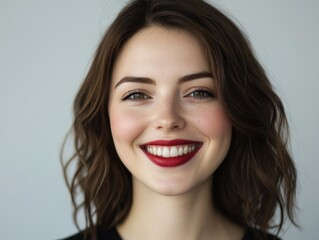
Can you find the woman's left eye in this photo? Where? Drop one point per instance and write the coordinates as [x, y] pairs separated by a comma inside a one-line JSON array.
[[201, 94]]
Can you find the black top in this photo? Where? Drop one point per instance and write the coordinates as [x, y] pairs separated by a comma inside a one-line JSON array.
[[112, 234]]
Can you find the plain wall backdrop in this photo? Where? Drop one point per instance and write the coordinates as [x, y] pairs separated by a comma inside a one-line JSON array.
[[45, 50]]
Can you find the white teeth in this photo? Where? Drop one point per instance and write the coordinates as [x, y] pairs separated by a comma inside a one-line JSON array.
[[180, 151], [192, 148], [185, 150], [174, 151], [159, 152], [165, 152]]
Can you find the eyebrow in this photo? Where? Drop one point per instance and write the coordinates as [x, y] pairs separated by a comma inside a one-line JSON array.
[[146, 80]]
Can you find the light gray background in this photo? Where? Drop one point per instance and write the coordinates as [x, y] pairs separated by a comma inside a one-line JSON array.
[[45, 51]]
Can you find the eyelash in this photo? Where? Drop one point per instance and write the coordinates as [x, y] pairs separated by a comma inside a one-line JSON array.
[[207, 94], [139, 95]]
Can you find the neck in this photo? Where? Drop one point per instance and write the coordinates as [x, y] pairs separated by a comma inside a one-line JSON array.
[[186, 216]]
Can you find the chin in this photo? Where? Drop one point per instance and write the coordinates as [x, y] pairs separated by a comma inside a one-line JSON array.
[[176, 187], [172, 190]]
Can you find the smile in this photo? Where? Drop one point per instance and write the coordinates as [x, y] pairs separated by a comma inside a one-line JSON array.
[[168, 152], [171, 153]]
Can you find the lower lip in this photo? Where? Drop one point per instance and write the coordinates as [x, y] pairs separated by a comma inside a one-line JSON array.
[[171, 161]]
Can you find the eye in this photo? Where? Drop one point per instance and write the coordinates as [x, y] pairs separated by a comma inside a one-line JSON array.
[[201, 94], [135, 95]]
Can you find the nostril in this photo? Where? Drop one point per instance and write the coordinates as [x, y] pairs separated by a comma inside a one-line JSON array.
[[167, 116], [169, 123]]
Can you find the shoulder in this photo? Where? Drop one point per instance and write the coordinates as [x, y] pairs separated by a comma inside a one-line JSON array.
[[110, 234], [78, 236], [253, 234]]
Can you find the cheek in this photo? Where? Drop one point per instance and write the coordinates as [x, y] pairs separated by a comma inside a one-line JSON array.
[[215, 123], [125, 125]]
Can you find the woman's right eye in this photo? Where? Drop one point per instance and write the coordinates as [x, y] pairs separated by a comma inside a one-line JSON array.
[[135, 95]]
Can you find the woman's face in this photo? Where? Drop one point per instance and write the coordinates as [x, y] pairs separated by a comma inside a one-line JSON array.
[[168, 125]]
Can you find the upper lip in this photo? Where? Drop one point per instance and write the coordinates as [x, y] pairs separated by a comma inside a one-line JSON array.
[[173, 142]]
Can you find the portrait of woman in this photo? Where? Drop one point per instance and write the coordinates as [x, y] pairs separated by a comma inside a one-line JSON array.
[[159, 119], [178, 132]]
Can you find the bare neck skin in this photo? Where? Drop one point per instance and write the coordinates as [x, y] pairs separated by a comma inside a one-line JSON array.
[[189, 216]]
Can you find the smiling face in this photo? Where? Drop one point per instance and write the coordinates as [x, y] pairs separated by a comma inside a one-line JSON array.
[[167, 122]]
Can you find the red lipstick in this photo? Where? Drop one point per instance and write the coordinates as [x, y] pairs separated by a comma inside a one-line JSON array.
[[168, 161]]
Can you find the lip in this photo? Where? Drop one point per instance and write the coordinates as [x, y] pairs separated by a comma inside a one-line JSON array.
[[171, 161]]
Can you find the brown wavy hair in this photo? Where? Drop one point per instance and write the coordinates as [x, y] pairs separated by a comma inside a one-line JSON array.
[[257, 175]]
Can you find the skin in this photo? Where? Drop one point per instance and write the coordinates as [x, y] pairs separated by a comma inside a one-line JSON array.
[[174, 202]]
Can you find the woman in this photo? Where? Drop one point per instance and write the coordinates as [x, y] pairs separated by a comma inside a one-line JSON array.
[[178, 132]]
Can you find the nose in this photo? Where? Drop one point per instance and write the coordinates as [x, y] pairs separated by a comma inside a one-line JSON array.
[[168, 117]]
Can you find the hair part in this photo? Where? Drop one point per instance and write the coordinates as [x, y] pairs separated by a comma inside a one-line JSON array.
[[258, 173]]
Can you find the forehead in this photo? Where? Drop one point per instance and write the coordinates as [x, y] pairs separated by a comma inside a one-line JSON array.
[[155, 49]]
